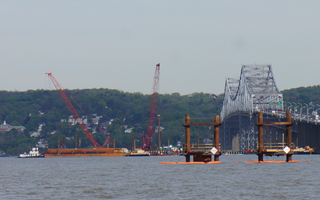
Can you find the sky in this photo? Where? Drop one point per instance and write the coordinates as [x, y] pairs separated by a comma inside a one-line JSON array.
[[116, 44]]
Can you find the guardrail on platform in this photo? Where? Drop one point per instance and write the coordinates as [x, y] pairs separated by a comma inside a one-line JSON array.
[[280, 145], [199, 147]]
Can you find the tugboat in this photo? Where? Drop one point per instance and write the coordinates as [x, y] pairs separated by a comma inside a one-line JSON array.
[[34, 153]]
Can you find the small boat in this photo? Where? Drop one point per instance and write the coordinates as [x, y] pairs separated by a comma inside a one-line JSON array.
[[34, 153], [306, 150], [139, 152]]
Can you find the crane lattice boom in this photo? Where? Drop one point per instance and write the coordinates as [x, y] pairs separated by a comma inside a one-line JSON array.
[[72, 110], [153, 108]]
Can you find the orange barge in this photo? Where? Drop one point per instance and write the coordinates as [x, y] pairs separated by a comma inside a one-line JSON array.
[[84, 152]]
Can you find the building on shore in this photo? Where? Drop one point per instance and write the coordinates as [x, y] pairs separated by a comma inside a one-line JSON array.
[[7, 127]]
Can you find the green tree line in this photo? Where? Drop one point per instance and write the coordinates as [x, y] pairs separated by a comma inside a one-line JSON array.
[[34, 107]]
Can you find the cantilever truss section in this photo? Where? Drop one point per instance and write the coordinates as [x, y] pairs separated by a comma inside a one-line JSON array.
[[255, 91]]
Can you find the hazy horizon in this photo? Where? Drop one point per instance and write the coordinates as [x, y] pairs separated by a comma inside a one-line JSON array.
[[116, 44]]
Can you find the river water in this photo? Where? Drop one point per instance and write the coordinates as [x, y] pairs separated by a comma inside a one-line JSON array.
[[145, 178]]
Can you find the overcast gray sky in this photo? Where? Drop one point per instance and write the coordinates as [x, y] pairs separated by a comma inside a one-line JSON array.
[[116, 44]]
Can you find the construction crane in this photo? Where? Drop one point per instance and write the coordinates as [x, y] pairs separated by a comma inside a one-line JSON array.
[[64, 97], [106, 142], [147, 139]]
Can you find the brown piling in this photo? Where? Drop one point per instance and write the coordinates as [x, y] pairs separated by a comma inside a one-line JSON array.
[[188, 144], [288, 135], [114, 143], [159, 133], [198, 142], [58, 146], [132, 142], [76, 139], [216, 137], [260, 137]]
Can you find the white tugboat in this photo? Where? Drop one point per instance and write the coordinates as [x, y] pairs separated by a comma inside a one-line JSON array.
[[34, 153]]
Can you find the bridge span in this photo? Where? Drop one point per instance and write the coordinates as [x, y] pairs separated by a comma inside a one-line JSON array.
[[256, 91]]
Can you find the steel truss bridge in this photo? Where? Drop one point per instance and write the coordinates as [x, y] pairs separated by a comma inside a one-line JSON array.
[[256, 91]]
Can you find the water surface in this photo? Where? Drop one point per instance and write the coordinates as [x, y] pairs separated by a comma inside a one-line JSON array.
[[145, 178]]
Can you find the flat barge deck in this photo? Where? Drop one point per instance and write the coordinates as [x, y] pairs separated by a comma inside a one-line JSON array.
[[84, 152]]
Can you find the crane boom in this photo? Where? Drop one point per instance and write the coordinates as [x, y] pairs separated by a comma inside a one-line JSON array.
[[72, 110], [106, 142], [153, 107]]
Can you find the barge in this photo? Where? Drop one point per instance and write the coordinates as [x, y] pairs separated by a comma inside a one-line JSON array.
[[84, 152]]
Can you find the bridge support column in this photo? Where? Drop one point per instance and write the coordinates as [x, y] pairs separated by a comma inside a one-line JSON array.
[[188, 143], [288, 135], [216, 137], [260, 137]]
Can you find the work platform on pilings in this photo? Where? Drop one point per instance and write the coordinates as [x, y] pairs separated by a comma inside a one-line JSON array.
[[200, 153], [287, 150]]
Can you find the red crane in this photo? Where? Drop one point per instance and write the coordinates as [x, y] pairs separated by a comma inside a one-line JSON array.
[[147, 140], [73, 111], [107, 141]]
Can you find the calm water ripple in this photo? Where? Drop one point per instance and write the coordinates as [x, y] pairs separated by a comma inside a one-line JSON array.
[[145, 178]]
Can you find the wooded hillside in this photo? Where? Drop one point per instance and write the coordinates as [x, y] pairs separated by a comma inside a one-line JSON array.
[[126, 110]]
